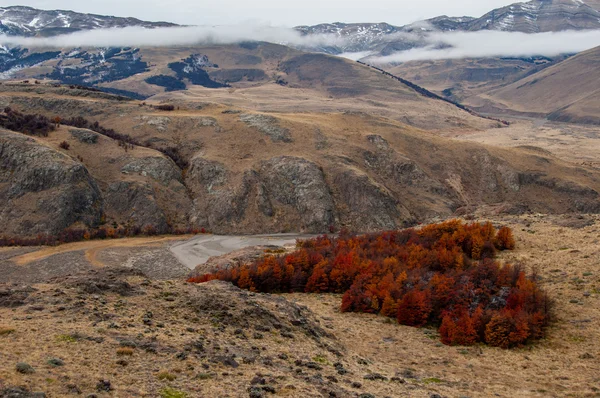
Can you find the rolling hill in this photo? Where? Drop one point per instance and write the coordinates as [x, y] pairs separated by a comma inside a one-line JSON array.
[[567, 91], [231, 168]]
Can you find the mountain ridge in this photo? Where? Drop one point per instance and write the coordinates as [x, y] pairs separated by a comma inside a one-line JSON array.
[[29, 21]]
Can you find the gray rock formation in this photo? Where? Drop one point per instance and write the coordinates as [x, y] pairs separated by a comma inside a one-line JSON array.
[[267, 125], [84, 136], [300, 184], [43, 190], [136, 203], [161, 169], [367, 205]]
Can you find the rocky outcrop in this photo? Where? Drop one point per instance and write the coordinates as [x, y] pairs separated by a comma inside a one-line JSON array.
[[389, 163], [43, 190], [215, 205], [160, 169], [285, 192], [136, 203], [300, 184], [268, 125], [367, 205], [84, 136]]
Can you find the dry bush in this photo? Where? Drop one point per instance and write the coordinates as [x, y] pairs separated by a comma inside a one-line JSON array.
[[125, 351], [443, 274]]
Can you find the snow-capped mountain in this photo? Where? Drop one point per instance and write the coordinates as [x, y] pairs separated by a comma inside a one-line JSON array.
[[541, 16], [27, 21], [530, 17]]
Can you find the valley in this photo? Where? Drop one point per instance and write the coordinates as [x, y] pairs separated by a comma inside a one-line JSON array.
[[300, 211]]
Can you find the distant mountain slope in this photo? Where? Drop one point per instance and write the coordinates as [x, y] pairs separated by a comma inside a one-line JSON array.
[[460, 79], [568, 91], [541, 16], [27, 21]]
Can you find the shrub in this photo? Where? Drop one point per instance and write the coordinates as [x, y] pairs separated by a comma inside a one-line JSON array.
[[505, 239], [31, 124], [5, 331], [125, 351], [65, 145], [82, 123], [443, 274], [165, 107], [77, 235]]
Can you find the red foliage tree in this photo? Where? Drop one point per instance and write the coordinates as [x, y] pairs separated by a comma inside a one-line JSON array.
[[443, 274]]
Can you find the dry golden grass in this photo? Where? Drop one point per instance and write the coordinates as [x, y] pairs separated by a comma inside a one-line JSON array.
[[566, 363], [5, 331], [125, 351]]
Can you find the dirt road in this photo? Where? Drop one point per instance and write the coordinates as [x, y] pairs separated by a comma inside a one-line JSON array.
[[200, 248]]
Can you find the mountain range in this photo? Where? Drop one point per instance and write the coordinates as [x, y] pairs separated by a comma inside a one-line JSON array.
[[530, 17]]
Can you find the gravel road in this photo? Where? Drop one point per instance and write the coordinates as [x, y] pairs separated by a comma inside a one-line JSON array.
[[200, 248]]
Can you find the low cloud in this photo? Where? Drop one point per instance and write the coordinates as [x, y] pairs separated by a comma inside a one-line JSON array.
[[182, 36], [482, 44], [427, 45]]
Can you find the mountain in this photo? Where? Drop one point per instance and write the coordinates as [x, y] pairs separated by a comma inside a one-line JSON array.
[[530, 17], [567, 91], [27, 21], [541, 16]]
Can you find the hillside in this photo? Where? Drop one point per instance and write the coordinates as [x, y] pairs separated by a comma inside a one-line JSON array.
[[568, 91], [115, 331], [275, 77], [237, 169], [460, 79]]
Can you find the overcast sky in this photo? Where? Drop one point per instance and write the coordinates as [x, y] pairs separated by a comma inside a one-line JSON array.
[[276, 12]]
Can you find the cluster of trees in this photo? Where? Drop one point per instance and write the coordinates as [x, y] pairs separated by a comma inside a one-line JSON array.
[[30, 124], [165, 107], [80, 234], [443, 274]]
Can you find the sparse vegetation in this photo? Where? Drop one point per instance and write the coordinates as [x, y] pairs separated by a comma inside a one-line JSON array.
[[5, 331], [67, 338], [165, 375], [443, 274], [64, 145], [169, 392], [125, 351]]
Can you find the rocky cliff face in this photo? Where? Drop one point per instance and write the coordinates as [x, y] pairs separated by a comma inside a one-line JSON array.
[[42, 190]]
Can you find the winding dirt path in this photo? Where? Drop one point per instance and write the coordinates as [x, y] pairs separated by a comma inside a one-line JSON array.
[[92, 248]]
